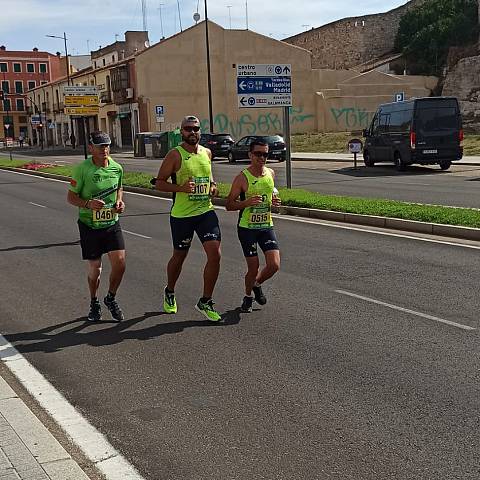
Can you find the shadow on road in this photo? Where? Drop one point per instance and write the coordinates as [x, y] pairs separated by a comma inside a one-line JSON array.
[[39, 247], [50, 339], [385, 171]]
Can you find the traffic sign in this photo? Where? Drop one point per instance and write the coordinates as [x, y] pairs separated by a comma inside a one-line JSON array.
[[159, 111], [160, 119], [80, 90], [93, 110], [263, 101], [81, 100], [264, 70], [400, 97], [264, 85]]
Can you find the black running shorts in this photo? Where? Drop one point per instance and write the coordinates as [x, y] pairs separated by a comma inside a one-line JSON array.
[[97, 241], [205, 226], [250, 237]]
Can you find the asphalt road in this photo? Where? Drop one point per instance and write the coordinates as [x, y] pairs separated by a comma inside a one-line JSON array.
[[457, 187], [318, 384]]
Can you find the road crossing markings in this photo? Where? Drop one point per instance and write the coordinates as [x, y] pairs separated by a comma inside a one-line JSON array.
[[37, 205], [93, 444], [136, 234], [406, 310]]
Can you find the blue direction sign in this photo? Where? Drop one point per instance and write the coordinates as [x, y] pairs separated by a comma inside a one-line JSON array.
[[247, 85]]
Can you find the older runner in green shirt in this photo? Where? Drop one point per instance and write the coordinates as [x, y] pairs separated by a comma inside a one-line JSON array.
[[96, 189]]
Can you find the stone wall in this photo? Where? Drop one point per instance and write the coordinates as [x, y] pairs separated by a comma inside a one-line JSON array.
[[352, 41]]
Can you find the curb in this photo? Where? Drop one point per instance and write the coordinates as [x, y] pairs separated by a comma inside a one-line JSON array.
[[452, 231]]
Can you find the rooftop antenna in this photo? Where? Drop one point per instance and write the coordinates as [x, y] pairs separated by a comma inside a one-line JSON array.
[[230, 15], [246, 12], [144, 14], [88, 46], [116, 37], [179, 16], [161, 19], [305, 26], [196, 15]]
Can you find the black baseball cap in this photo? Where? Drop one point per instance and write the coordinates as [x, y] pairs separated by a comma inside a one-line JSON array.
[[99, 138]]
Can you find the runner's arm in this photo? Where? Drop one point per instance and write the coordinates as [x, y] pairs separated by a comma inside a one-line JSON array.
[[120, 204], [239, 185], [170, 166]]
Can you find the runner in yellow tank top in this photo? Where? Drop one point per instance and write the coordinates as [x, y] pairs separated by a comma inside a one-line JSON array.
[[189, 167], [253, 193]]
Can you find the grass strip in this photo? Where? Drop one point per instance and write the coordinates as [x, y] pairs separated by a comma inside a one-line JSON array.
[[467, 217]]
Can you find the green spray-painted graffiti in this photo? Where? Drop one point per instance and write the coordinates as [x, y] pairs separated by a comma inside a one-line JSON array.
[[267, 123], [352, 117]]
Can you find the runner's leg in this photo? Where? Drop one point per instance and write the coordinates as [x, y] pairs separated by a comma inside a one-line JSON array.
[[174, 268], [251, 275], [117, 262], [94, 271], [272, 265], [212, 267]]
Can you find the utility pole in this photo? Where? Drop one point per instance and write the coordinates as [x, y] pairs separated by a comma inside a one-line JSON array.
[[230, 15], [209, 76], [179, 15], [246, 12], [161, 19]]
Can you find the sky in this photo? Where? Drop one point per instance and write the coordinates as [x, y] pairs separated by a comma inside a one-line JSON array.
[[90, 24]]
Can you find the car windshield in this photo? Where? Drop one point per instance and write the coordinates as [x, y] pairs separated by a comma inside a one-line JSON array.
[[271, 138], [220, 138]]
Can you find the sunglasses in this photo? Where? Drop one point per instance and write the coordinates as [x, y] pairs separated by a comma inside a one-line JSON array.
[[260, 154], [191, 129]]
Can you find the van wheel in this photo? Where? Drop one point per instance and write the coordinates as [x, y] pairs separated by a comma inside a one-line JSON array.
[[367, 160], [400, 166], [445, 164], [231, 158]]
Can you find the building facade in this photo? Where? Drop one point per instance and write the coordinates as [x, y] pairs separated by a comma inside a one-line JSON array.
[[20, 73]]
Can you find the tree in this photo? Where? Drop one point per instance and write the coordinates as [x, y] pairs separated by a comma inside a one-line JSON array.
[[427, 32]]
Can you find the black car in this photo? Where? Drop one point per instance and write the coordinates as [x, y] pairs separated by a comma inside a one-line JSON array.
[[218, 143], [276, 147]]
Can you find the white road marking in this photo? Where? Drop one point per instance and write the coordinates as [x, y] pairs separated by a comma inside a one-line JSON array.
[[406, 310], [37, 205], [311, 221], [92, 443], [136, 234]]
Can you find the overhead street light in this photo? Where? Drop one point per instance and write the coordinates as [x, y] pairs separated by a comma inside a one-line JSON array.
[[64, 38]]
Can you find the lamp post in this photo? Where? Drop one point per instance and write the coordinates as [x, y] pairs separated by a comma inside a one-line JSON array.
[[209, 76], [64, 38]]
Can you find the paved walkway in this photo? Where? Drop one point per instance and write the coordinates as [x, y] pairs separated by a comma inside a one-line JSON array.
[[28, 451]]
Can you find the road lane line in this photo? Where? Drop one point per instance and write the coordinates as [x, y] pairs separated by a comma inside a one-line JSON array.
[[304, 220], [37, 205], [406, 310], [93, 444], [136, 234]]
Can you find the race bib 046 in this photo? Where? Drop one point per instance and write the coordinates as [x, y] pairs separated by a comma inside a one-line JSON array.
[[105, 215]]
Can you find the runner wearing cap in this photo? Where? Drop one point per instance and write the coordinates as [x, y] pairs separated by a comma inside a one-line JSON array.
[[190, 169], [253, 193], [96, 189]]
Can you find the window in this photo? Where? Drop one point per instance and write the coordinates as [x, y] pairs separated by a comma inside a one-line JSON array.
[[103, 62], [43, 82], [17, 67], [6, 105], [18, 86], [3, 67], [95, 64], [30, 68], [20, 105], [31, 84], [43, 68], [113, 58], [6, 86]]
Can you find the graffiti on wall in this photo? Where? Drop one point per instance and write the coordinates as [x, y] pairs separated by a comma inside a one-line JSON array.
[[352, 117], [247, 124]]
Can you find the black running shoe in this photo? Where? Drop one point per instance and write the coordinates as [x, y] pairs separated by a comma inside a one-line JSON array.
[[247, 304], [95, 313], [259, 296], [115, 310]]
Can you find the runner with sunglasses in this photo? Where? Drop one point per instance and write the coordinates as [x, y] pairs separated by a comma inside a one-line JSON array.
[[189, 167], [253, 193], [96, 189]]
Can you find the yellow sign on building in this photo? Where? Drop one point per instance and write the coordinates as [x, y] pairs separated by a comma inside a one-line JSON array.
[[81, 100], [93, 110]]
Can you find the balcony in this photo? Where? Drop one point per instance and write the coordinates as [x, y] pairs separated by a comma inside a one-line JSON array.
[[106, 97]]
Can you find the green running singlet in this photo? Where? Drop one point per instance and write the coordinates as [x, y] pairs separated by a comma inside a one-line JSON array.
[[102, 183], [198, 167], [258, 216]]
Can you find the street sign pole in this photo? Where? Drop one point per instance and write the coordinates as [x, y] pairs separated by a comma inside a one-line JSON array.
[[85, 139], [288, 154]]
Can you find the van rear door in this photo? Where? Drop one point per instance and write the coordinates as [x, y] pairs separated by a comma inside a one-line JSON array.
[[437, 125]]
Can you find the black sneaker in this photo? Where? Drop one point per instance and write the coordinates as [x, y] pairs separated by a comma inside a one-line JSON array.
[[247, 304], [115, 310], [259, 296], [95, 313]]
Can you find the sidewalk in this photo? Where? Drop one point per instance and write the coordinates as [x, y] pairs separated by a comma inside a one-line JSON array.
[[28, 451]]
